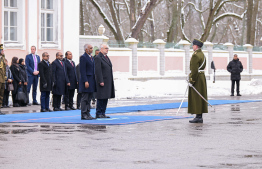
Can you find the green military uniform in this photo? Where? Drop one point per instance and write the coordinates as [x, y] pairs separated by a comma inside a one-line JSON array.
[[2, 75], [196, 105]]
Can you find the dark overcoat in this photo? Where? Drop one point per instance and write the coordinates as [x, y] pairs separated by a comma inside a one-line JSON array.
[[71, 74], [16, 72], [23, 71], [235, 67], [196, 105], [87, 74], [59, 77], [104, 73], [78, 77], [45, 71]]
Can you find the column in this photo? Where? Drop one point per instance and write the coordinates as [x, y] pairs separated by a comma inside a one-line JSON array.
[[161, 61], [132, 43], [230, 49], [209, 46], [249, 49], [185, 45]]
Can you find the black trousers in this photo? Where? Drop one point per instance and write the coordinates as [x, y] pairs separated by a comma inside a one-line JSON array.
[[56, 101], [233, 86], [79, 96], [101, 106], [69, 98], [6, 98], [85, 103]]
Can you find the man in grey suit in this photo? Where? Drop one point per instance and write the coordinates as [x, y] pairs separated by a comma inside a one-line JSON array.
[[104, 81]]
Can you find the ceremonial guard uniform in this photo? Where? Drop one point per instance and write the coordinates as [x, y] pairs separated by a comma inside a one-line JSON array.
[[196, 105], [2, 76]]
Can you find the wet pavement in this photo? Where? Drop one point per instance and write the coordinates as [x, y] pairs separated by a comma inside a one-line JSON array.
[[230, 137]]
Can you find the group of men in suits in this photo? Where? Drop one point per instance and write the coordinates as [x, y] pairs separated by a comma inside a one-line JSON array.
[[94, 74]]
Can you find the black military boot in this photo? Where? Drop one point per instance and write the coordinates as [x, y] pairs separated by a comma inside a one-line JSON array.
[[197, 119]]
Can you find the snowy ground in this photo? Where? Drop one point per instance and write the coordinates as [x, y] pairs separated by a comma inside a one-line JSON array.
[[160, 88]]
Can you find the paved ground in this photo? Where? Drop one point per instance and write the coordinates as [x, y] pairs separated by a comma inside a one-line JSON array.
[[230, 137]]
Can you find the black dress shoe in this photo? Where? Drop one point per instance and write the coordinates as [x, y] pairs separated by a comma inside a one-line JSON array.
[[43, 110], [61, 109], [78, 108], [105, 116], [239, 94], [232, 95], [72, 108], [88, 118], [196, 120], [67, 108], [4, 106], [56, 109], [1, 113], [35, 103], [49, 110], [100, 116], [16, 105]]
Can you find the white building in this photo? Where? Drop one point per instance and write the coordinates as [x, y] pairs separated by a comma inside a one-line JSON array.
[[50, 25]]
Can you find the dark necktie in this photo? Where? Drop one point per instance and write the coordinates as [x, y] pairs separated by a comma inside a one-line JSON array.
[[61, 63]]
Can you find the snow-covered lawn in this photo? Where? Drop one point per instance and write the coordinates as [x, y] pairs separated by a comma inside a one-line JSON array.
[[159, 88]]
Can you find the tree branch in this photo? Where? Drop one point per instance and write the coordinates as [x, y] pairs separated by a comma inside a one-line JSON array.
[[222, 16]]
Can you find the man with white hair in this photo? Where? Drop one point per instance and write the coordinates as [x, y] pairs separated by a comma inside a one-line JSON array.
[[104, 81], [87, 83]]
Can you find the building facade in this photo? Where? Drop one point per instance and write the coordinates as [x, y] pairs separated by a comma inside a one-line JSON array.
[[50, 25]]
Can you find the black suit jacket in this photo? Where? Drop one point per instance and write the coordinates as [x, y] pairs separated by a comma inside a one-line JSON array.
[[45, 73], [71, 74], [59, 77]]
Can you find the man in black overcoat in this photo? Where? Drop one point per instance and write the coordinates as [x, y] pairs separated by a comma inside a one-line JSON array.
[[87, 84], [60, 80], [45, 71], [72, 77], [235, 67], [104, 81]]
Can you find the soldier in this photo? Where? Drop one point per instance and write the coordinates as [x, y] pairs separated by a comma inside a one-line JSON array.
[[196, 105], [2, 76]]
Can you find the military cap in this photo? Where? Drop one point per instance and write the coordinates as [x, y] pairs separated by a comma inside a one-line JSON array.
[[198, 43], [1, 46]]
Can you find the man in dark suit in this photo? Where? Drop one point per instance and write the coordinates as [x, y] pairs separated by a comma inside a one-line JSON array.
[[104, 81], [45, 72], [32, 60], [87, 84], [72, 77], [60, 80]]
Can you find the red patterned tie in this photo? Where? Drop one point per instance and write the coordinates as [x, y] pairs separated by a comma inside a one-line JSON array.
[[61, 63], [72, 64]]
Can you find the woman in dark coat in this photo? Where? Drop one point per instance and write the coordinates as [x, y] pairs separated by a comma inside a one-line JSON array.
[[16, 72], [24, 78]]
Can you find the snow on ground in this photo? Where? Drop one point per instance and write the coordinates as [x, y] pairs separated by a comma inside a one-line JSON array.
[[160, 88]]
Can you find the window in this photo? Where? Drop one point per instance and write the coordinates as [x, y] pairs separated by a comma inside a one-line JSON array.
[[10, 20], [47, 21]]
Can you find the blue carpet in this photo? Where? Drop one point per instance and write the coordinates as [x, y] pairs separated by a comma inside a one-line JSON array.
[[74, 115]]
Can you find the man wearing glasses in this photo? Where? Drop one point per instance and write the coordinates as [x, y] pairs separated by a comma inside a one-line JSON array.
[[60, 80]]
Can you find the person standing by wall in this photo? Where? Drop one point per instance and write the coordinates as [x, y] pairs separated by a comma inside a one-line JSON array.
[[235, 67], [79, 94], [197, 78], [72, 77], [2, 76], [104, 81], [9, 79], [24, 79], [32, 60], [45, 72], [59, 80], [15, 69]]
